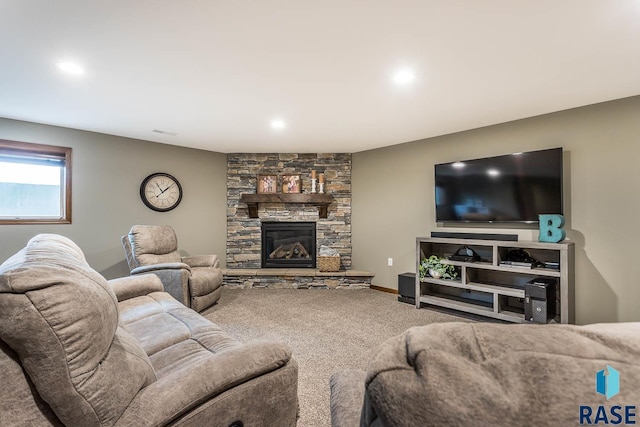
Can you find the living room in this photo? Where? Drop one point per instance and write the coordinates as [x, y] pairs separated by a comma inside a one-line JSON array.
[[392, 194], [391, 189]]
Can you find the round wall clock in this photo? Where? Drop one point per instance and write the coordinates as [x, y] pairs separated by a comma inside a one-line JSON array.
[[160, 192]]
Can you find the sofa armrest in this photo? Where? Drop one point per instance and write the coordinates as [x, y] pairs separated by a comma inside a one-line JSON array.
[[135, 286], [202, 261], [186, 388], [164, 266], [174, 279]]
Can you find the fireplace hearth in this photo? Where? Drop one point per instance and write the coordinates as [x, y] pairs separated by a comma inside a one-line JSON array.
[[288, 244]]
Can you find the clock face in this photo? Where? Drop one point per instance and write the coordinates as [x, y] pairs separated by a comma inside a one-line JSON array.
[[161, 192]]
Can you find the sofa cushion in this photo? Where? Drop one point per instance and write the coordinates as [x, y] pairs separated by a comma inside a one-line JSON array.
[[490, 374], [205, 377], [154, 244], [171, 334], [61, 318]]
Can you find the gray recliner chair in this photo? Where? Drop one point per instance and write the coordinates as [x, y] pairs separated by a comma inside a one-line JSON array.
[[196, 281]]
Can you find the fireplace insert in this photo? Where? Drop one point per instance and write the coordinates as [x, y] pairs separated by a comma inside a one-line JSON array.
[[288, 245]]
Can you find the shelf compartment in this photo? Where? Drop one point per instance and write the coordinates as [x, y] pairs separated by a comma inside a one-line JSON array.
[[510, 316], [499, 277], [512, 308], [538, 253], [445, 250], [443, 282], [456, 290], [479, 309], [540, 271], [482, 264], [497, 289], [480, 287], [448, 302], [532, 271]]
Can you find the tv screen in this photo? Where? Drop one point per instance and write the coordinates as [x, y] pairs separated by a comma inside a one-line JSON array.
[[511, 188]]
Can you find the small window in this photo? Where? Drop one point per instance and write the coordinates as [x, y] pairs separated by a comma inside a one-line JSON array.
[[35, 183]]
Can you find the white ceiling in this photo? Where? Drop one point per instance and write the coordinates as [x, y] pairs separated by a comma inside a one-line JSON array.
[[216, 73]]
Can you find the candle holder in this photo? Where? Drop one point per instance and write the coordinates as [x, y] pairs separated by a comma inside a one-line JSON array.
[[313, 185], [321, 188]]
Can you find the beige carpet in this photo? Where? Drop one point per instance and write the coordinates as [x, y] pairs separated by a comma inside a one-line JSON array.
[[328, 330]]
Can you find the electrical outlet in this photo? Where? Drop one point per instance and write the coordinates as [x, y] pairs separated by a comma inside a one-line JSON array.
[[390, 262]]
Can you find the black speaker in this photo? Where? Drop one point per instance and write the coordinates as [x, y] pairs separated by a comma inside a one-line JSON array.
[[476, 236], [407, 288], [540, 300]]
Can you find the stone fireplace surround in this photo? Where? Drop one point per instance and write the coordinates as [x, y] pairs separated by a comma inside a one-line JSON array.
[[243, 255]]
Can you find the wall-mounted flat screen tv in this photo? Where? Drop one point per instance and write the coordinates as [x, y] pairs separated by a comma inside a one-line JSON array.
[[511, 188]]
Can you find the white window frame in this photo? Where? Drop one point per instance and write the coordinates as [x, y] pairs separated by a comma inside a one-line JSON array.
[[27, 150]]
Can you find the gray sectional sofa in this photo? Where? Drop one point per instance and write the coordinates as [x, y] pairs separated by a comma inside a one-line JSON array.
[[78, 350], [483, 374]]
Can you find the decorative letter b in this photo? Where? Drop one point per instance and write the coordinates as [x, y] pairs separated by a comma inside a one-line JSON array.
[[551, 228]]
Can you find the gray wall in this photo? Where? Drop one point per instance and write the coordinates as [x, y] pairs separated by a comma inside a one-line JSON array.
[[393, 199], [107, 172]]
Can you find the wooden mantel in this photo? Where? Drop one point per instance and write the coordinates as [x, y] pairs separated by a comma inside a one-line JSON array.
[[253, 200]]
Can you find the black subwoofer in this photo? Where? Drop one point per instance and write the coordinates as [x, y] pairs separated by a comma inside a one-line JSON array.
[[407, 288]]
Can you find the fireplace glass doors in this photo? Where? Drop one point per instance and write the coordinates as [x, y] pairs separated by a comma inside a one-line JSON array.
[[288, 245]]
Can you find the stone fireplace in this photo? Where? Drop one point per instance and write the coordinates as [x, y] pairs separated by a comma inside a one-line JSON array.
[[244, 234], [328, 216], [288, 244]]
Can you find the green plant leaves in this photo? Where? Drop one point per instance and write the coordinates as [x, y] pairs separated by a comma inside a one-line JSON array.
[[446, 271]]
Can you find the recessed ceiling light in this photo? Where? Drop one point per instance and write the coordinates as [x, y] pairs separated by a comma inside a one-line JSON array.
[[277, 124], [71, 68], [403, 77]]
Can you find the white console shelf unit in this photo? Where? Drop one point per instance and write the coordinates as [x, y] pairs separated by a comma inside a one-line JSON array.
[[489, 289]]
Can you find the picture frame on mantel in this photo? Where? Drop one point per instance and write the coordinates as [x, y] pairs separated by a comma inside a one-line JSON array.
[[291, 184], [267, 184]]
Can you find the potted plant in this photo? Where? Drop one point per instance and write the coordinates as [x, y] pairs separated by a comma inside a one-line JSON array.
[[433, 267]]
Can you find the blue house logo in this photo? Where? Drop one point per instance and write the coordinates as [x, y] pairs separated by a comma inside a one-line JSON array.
[[608, 384]]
